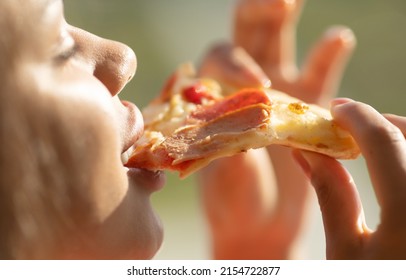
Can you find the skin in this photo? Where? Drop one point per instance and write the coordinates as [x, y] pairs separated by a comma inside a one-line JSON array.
[[74, 198], [383, 146], [260, 213]]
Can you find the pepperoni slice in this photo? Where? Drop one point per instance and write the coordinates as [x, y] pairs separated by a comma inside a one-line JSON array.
[[241, 99]]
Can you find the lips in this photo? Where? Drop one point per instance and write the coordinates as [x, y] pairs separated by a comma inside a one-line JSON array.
[[132, 130], [150, 180], [133, 125]]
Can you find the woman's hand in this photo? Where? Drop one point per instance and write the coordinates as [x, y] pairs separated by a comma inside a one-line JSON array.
[[256, 201], [267, 31], [383, 146]]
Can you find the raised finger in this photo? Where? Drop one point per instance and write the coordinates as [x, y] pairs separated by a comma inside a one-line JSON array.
[[266, 29], [323, 68]]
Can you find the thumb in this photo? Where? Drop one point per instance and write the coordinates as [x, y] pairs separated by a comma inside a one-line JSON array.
[[339, 202]]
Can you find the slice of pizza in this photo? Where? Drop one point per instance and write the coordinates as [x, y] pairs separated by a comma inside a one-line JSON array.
[[191, 123]]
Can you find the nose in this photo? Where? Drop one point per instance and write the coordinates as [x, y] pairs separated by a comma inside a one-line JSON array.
[[113, 63]]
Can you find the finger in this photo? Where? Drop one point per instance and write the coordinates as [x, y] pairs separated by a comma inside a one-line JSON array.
[[398, 121], [339, 202], [231, 200], [232, 67], [294, 192], [384, 148], [323, 69], [266, 29]]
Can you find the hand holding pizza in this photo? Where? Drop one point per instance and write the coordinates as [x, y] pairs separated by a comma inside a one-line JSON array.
[[383, 145], [256, 202]]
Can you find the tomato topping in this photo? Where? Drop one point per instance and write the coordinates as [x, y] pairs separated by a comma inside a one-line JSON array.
[[196, 93]]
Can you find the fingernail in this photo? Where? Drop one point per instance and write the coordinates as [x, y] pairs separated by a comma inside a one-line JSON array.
[[341, 35], [302, 162], [266, 83], [340, 101], [335, 104]]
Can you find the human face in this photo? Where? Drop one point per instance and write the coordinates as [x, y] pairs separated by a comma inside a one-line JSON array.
[[80, 75]]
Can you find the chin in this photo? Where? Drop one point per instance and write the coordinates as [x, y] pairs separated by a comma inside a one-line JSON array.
[[141, 243], [148, 235], [153, 239]]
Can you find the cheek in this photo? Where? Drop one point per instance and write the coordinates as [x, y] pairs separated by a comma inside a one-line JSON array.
[[90, 126], [94, 156], [119, 219], [126, 224], [86, 88]]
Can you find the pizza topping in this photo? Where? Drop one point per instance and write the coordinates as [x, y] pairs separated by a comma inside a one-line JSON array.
[[194, 146], [231, 103], [298, 108], [196, 93], [222, 135]]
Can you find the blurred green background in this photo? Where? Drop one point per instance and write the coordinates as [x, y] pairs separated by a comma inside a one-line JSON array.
[[165, 33]]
